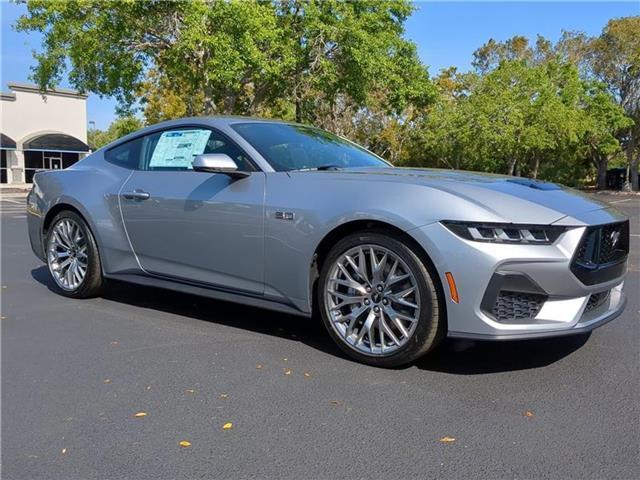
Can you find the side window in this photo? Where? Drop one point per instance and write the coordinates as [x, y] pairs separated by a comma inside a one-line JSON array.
[[175, 149], [126, 155]]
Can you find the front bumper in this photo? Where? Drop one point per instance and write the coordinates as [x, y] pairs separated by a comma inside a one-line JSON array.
[[553, 301]]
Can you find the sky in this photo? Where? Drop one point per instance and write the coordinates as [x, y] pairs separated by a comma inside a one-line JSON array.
[[446, 33]]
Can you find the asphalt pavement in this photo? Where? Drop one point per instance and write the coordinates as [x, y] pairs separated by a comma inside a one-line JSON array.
[[76, 372]]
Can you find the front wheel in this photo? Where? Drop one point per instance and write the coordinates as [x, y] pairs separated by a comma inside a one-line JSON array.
[[378, 300], [72, 256]]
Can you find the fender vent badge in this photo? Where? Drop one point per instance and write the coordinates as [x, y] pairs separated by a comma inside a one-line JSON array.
[[285, 215]]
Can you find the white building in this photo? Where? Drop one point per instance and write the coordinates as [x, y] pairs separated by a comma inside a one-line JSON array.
[[39, 131]]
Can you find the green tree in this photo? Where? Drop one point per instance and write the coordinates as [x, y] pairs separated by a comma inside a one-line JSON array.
[[615, 60], [119, 127], [602, 122], [324, 59]]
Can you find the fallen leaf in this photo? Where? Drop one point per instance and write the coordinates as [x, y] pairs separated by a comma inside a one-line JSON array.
[[140, 414], [287, 371], [258, 366], [528, 413], [106, 380], [224, 395], [114, 343], [307, 375], [64, 450], [184, 443], [335, 402], [227, 426], [285, 359], [191, 390], [447, 439]]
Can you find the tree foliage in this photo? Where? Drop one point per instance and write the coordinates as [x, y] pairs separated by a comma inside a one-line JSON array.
[[559, 111], [321, 58], [535, 110], [118, 128]]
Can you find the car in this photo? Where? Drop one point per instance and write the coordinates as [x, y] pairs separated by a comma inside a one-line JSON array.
[[293, 218]]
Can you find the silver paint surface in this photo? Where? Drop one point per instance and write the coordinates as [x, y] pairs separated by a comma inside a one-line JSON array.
[[222, 237]]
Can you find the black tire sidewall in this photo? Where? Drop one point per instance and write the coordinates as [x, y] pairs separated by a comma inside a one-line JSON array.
[[93, 281], [428, 331]]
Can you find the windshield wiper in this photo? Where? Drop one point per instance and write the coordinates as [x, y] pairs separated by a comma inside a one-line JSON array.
[[329, 167], [321, 167]]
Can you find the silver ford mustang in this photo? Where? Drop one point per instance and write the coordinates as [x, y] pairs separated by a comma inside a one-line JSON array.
[[293, 218]]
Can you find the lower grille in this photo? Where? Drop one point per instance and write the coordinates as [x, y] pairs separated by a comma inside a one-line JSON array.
[[510, 306], [597, 300]]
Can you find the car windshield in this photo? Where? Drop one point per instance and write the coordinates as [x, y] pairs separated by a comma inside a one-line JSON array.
[[298, 147]]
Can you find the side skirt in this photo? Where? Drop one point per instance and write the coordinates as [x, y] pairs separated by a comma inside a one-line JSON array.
[[228, 296]]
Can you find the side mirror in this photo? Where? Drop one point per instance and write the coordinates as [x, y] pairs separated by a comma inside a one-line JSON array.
[[217, 163]]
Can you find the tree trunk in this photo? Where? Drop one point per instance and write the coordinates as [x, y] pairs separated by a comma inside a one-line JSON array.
[[631, 182], [602, 163], [298, 111], [512, 166], [633, 173], [536, 167]]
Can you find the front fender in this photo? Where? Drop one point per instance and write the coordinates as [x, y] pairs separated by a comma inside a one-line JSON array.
[[315, 207]]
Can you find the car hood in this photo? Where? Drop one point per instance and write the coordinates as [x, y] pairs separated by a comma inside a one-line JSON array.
[[513, 199]]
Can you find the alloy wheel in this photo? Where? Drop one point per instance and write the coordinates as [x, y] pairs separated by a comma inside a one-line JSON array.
[[67, 254], [373, 300]]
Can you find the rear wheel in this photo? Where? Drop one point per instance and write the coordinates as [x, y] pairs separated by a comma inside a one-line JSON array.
[[378, 300], [72, 256]]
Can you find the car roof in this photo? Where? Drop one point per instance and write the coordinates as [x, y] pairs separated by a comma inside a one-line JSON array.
[[220, 122]]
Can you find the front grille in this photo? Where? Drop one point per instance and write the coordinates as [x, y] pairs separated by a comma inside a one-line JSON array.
[[612, 242], [513, 306], [601, 254]]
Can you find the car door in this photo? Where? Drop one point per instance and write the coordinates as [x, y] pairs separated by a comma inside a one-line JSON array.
[[206, 228]]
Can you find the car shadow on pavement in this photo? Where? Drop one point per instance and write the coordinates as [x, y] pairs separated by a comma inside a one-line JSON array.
[[458, 357], [297, 328], [470, 357]]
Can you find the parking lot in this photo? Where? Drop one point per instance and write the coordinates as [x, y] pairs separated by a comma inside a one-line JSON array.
[[76, 372]]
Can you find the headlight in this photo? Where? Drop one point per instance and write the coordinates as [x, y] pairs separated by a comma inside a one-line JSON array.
[[505, 232]]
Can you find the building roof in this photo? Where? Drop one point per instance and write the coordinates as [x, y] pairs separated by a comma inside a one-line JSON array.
[[31, 88]]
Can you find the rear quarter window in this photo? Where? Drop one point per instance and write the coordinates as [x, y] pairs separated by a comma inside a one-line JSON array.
[[125, 155]]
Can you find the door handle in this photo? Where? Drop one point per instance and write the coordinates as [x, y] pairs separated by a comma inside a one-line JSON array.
[[136, 195]]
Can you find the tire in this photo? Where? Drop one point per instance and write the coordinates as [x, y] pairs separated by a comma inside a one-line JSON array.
[[335, 287], [66, 227]]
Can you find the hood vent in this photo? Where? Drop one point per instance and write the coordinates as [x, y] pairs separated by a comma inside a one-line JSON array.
[[538, 185]]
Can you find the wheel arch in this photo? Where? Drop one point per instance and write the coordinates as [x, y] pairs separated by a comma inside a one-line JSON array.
[[66, 206], [55, 210], [355, 226]]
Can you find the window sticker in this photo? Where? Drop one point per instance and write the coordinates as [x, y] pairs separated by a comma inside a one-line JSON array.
[[177, 148]]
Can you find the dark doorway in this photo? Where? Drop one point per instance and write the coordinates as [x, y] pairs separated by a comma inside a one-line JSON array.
[[3, 166], [36, 160]]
